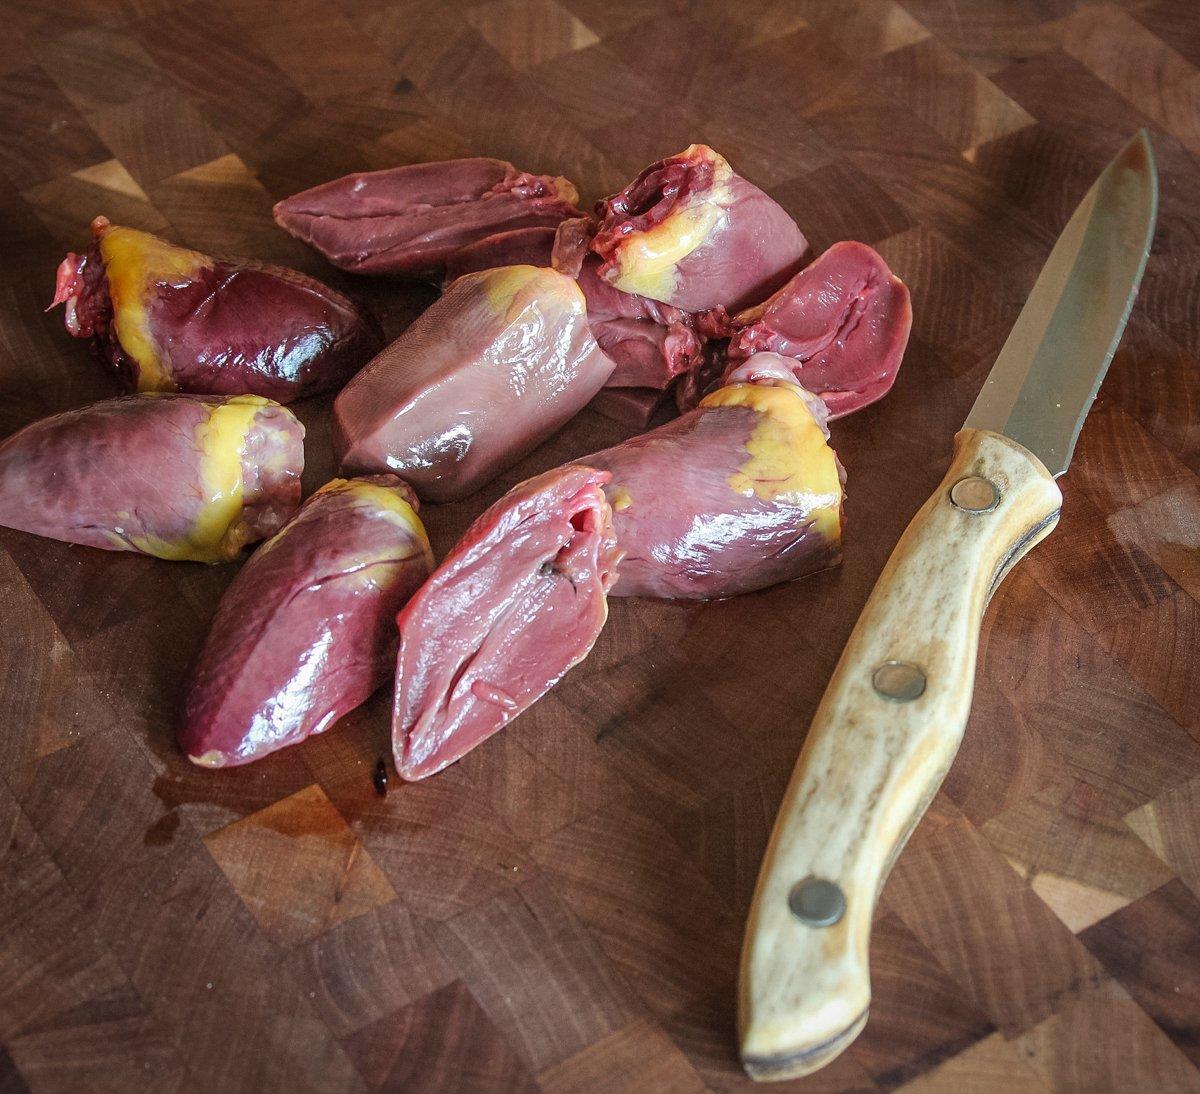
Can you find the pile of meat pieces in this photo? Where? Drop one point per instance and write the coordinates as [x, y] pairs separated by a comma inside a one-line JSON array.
[[690, 285], [687, 269]]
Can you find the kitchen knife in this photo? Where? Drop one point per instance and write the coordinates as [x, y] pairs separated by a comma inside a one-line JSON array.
[[893, 715]]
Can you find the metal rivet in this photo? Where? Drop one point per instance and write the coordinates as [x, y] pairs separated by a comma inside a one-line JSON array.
[[817, 902], [899, 681], [975, 495]]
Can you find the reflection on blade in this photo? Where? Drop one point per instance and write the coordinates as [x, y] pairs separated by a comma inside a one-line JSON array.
[[1046, 377]]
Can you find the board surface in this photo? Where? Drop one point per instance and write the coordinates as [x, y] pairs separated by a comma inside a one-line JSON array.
[[563, 909]]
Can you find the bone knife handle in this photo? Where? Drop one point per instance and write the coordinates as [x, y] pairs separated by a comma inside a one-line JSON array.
[[880, 743]]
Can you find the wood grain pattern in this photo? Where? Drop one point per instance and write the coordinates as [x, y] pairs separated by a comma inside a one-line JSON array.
[[563, 910]]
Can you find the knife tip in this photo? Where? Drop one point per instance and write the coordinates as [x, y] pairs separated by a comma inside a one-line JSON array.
[[1138, 154]]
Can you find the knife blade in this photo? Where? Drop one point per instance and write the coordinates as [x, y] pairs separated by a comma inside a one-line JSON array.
[[894, 712], [1047, 375]]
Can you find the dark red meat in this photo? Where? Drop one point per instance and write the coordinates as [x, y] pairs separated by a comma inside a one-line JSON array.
[[481, 378], [844, 321], [651, 343], [307, 630], [741, 493], [514, 605], [168, 319], [520, 247], [691, 233], [631, 406], [704, 376], [176, 476], [409, 220]]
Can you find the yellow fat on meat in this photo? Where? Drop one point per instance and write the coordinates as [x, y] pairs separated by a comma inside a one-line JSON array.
[[789, 459], [647, 261], [389, 500], [135, 262], [221, 442], [511, 289]]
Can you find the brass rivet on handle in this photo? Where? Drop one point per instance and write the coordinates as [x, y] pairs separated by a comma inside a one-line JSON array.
[[899, 681], [817, 902], [975, 495]]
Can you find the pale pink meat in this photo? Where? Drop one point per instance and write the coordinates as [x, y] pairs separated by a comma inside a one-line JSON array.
[[690, 516], [488, 372], [512, 607], [844, 321], [690, 232], [650, 343]]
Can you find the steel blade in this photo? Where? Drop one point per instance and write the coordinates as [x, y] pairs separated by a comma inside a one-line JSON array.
[[1047, 375]]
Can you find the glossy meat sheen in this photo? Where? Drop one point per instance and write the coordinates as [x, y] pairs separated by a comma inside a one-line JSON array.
[[650, 343], [307, 630], [740, 493], [845, 322], [409, 220], [175, 476], [168, 319], [690, 232], [486, 374], [514, 605]]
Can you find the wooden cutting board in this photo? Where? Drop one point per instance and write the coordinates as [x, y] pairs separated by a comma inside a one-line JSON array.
[[563, 909]]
